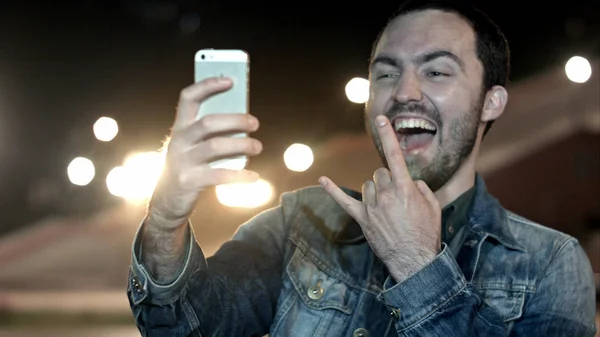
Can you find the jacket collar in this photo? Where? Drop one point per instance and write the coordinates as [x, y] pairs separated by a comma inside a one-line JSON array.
[[487, 218]]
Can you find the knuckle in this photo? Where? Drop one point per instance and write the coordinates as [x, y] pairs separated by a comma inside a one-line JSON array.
[[176, 175], [385, 195], [176, 146], [179, 140], [209, 81], [183, 179], [395, 152], [186, 94], [206, 122], [214, 144], [380, 172]]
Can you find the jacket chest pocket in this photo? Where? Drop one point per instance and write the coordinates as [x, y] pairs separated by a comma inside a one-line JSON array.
[[507, 301], [316, 302]]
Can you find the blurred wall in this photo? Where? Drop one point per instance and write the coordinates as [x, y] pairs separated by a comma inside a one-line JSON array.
[[558, 186]]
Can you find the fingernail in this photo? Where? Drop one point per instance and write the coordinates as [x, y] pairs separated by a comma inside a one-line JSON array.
[[381, 120], [223, 80], [322, 181]]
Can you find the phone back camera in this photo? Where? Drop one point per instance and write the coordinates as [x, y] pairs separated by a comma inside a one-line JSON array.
[[203, 56]]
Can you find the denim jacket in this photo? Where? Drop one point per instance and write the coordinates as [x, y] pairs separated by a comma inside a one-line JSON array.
[[304, 268]]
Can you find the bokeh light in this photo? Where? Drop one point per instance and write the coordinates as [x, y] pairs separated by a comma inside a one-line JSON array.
[[136, 179], [81, 171], [245, 195], [106, 129], [578, 69], [357, 90], [298, 157]]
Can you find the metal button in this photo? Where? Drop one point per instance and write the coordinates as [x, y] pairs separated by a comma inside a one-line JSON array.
[[360, 332], [451, 229], [395, 313], [316, 292], [135, 282]]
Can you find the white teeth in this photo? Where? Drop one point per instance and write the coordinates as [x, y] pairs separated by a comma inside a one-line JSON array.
[[410, 123]]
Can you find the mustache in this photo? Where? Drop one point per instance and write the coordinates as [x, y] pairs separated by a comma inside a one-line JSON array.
[[413, 108]]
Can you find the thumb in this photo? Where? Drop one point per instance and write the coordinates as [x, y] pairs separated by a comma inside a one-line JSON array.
[[427, 193]]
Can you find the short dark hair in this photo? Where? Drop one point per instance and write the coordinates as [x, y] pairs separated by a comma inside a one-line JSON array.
[[492, 47]]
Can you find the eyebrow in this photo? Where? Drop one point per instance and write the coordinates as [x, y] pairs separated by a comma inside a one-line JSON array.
[[419, 59]]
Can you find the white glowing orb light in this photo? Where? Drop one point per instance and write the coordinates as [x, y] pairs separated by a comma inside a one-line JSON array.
[[81, 171], [578, 69], [298, 157], [245, 195], [357, 90], [116, 181], [136, 179], [106, 129]]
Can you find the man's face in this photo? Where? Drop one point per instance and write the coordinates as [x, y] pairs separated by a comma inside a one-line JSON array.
[[426, 78]]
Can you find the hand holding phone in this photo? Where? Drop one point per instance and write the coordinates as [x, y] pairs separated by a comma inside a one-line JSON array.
[[232, 64], [209, 141]]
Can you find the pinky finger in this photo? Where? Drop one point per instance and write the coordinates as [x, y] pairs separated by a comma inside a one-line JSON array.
[[203, 177], [225, 176]]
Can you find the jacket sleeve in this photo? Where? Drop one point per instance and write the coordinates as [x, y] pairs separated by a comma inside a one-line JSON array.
[[438, 301], [232, 293]]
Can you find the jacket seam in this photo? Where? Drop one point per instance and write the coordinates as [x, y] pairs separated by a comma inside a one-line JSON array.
[[433, 310], [552, 259]]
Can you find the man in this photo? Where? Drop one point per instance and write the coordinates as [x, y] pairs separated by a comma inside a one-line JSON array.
[[423, 251]]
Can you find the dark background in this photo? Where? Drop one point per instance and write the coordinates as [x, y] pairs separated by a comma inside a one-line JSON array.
[[65, 64]]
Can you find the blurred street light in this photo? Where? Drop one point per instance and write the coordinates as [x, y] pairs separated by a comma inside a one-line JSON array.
[[136, 179], [81, 171], [245, 195], [298, 157], [106, 129], [357, 90], [578, 69], [116, 182]]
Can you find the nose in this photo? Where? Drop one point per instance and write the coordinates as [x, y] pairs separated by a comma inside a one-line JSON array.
[[408, 89]]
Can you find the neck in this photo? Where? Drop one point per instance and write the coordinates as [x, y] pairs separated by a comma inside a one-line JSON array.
[[461, 181]]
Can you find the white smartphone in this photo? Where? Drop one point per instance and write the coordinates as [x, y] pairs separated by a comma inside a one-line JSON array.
[[234, 64]]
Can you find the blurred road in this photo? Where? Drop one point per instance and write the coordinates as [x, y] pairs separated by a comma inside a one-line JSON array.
[[70, 332]]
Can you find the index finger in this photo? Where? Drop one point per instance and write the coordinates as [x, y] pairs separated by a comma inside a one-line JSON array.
[[191, 97], [392, 150], [354, 207]]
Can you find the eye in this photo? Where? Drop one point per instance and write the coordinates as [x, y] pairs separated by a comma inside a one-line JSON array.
[[436, 74], [387, 76]]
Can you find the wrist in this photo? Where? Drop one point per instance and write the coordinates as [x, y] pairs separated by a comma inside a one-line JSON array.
[[409, 262], [156, 220]]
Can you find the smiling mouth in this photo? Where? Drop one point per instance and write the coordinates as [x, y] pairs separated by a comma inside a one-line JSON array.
[[414, 134]]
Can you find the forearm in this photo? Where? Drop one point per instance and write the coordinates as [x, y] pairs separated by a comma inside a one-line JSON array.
[[163, 248], [403, 265], [232, 293]]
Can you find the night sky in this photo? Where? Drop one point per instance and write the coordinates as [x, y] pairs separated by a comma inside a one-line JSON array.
[[64, 64]]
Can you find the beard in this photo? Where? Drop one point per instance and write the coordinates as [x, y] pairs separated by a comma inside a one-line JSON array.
[[452, 149]]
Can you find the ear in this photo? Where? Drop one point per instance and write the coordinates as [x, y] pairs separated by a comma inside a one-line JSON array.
[[494, 103]]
